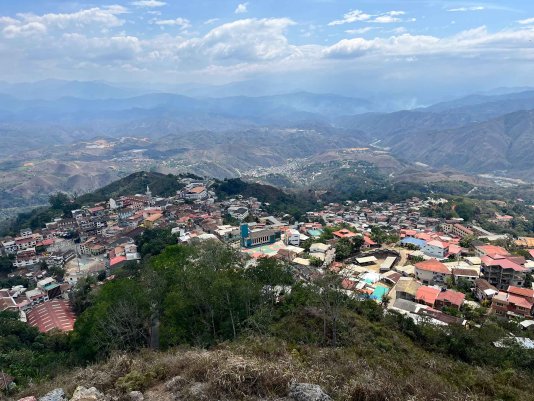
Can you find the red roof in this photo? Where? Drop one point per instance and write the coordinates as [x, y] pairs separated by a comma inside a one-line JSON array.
[[531, 251], [433, 265], [454, 249], [502, 261], [427, 294], [492, 250], [117, 260], [55, 314], [348, 284], [513, 299], [522, 292], [344, 233], [368, 241], [454, 297]]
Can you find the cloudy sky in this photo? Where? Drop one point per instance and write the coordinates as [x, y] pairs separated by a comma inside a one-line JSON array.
[[327, 45]]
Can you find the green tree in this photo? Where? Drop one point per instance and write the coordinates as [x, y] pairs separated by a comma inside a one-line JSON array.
[[344, 249]]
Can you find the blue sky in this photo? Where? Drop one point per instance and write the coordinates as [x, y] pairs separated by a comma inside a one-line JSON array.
[[323, 45]]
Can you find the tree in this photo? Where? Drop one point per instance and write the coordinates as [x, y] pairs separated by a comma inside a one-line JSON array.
[[316, 261], [344, 248], [357, 243], [58, 273], [467, 241], [6, 265], [80, 296]]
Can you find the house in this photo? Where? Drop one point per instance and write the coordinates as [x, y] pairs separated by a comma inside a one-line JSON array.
[[344, 233], [152, 220], [450, 299], [414, 242], [502, 272], [292, 237], [525, 242], [506, 304], [427, 295], [526, 293], [432, 272], [435, 249], [406, 288], [484, 291], [369, 243], [465, 274], [483, 250], [319, 247]]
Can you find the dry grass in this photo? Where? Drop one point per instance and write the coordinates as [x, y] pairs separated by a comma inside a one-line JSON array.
[[264, 368]]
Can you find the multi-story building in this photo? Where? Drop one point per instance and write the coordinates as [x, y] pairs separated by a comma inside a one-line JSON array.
[[457, 229], [194, 191], [432, 272], [258, 237], [502, 272], [507, 304]]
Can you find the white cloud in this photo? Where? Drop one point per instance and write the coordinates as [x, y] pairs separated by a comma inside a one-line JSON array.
[[359, 16], [464, 9], [211, 21], [89, 19], [351, 16], [29, 29], [241, 8], [527, 21], [181, 22], [466, 43], [148, 3], [360, 31], [247, 39], [95, 41]]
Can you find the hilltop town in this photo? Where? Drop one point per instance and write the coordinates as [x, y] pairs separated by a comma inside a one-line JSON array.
[[427, 268]]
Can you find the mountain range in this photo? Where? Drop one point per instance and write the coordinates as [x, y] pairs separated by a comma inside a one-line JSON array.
[[48, 131]]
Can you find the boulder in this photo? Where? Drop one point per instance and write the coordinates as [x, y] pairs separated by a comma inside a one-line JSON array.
[[136, 396], [199, 391], [30, 398], [307, 392], [87, 394], [55, 395]]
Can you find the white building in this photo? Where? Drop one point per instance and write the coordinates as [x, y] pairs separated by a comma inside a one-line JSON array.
[[292, 237], [435, 249]]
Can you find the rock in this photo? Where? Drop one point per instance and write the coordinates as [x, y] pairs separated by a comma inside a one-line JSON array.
[[87, 394], [55, 395], [307, 392], [136, 396], [199, 391], [30, 398], [175, 384]]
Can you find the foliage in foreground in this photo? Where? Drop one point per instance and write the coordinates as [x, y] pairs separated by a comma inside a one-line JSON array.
[[204, 296]]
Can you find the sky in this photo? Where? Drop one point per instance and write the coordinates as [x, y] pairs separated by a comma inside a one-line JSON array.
[[389, 47]]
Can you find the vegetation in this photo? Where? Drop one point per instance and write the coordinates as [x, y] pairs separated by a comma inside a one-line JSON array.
[[62, 204], [278, 201], [29, 354], [136, 183], [202, 295]]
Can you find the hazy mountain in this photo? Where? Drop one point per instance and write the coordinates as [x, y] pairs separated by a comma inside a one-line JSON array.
[[502, 144], [54, 89]]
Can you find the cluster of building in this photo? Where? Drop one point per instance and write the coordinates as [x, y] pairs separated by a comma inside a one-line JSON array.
[[420, 272]]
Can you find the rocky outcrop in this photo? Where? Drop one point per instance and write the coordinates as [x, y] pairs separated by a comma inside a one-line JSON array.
[[87, 394], [307, 392], [55, 395]]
